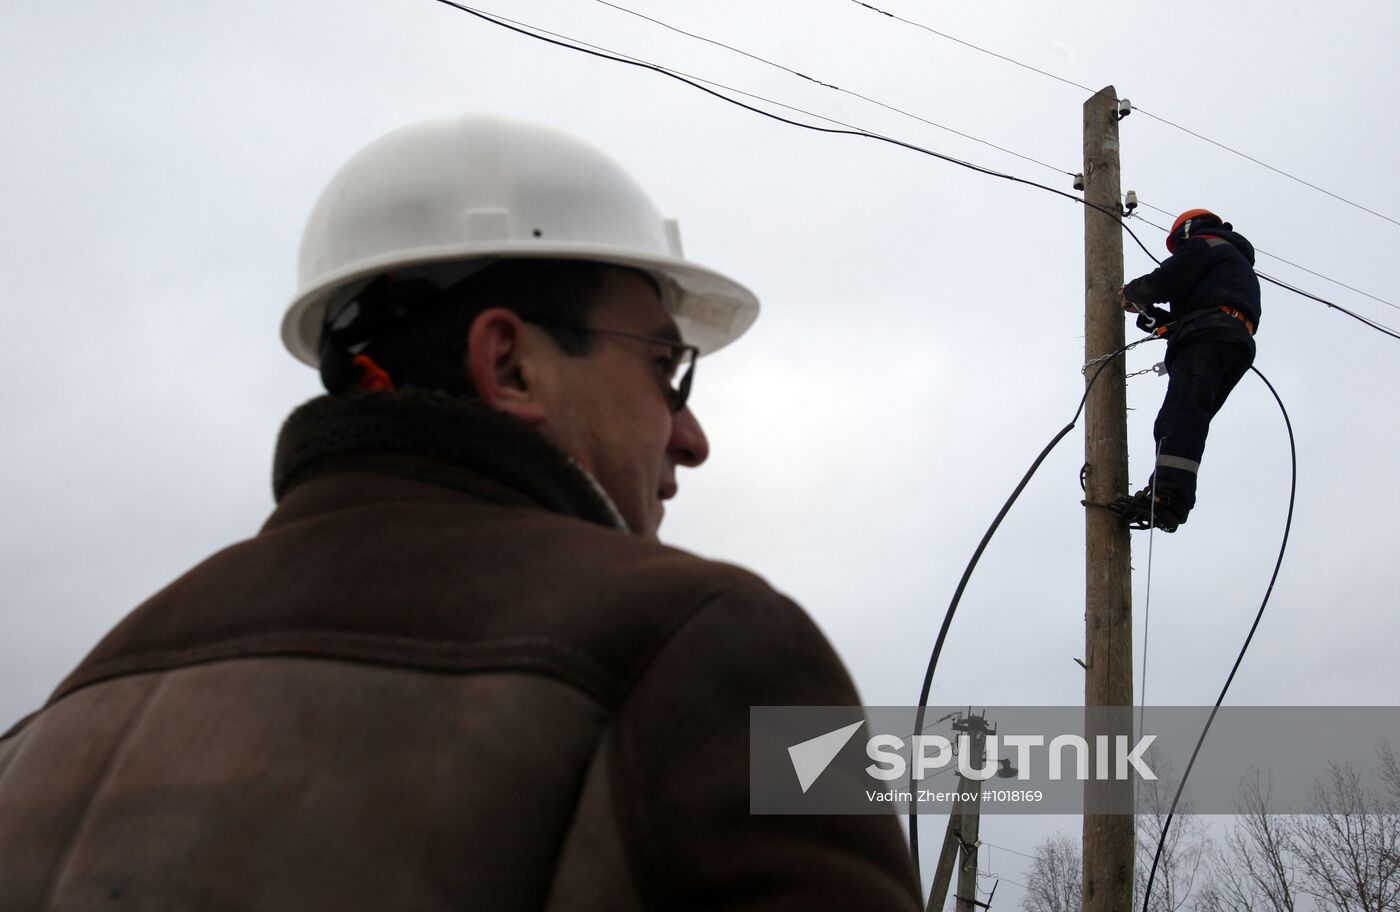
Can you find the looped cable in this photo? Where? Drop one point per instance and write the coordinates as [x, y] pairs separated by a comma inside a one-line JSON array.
[[1259, 615], [967, 575]]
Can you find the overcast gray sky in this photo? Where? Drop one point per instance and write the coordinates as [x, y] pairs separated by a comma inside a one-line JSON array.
[[920, 341]]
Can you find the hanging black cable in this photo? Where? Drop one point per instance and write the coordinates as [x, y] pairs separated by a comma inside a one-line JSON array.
[[1258, 616], [967, 575], [977, 555]]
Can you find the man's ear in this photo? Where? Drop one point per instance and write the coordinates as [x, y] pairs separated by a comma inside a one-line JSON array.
[[505, 364]]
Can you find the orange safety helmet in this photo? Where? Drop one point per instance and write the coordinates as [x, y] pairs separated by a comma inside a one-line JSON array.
[[1182, 219]]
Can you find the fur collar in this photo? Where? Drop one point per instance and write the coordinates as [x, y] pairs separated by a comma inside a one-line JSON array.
[[458, 432]]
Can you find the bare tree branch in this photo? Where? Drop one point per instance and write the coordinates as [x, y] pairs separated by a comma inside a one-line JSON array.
[[1056, 879], [1349, 846], [1183, 856], [1256, 871]]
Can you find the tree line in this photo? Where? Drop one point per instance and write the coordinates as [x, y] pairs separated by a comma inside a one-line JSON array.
[[1343, 855]]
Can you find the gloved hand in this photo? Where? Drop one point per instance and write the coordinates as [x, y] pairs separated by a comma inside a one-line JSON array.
[[1152, 318]]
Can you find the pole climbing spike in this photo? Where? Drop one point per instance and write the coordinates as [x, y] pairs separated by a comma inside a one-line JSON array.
[[1139, 512]]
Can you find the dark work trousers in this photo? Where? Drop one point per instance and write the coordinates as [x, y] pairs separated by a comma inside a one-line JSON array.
[[1203, 365]]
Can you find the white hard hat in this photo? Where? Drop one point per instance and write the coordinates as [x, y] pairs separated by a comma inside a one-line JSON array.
[[486, 187]]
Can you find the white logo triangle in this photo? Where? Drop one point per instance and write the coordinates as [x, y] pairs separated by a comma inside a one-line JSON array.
[[810, 758]]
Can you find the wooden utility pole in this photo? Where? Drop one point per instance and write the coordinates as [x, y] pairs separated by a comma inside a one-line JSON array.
[[1108, 614], [964, 824], [970, 827], [947, 859]]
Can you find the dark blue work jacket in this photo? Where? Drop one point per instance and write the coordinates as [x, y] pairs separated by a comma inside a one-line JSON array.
[[1211, 270]]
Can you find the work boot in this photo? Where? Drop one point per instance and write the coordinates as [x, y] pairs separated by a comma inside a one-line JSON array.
[[1140, 512]]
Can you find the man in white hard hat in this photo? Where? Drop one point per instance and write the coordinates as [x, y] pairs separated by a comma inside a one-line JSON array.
[[455, 669]]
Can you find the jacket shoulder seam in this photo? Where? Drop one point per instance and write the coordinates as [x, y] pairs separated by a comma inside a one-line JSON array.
[[686, 617], [540, 654]]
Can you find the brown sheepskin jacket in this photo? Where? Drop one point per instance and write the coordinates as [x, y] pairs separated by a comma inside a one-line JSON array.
[[438, 678]]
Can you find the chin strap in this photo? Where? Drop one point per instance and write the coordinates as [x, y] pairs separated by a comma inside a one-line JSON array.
[[373, 378]]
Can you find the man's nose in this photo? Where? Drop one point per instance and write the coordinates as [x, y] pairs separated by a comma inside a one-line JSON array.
[[688, 444]]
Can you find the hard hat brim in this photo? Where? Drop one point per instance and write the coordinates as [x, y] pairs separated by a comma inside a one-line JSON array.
[[710, 309]]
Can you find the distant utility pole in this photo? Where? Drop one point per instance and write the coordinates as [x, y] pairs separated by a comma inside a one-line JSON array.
[[964, 824], [1108, 613], [977, 730]]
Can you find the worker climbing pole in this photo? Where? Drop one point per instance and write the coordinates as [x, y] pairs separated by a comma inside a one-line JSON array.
[[1213, 293], [1209, 282]]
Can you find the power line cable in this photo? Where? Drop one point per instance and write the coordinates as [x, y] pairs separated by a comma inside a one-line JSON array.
[[942, 126], [1258, 616], [1337, 282], [992, 874], [1262, 164], [1143, 111], [836, 88], [1154, 225], [1012, 60], [1378, 327], [1005, 849], [627, 58], [1146, 205], [593, 50], [716, 43], [1275, 256]]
